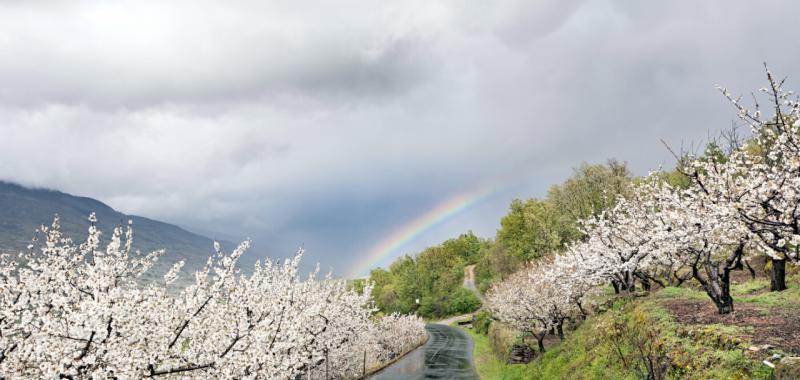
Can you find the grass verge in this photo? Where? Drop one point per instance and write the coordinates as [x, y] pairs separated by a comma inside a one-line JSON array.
[[489, 367]]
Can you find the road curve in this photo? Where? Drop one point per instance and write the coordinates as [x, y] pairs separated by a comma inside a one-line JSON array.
[[446, 355]]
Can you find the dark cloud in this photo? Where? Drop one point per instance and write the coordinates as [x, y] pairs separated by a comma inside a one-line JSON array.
[[332, 124]]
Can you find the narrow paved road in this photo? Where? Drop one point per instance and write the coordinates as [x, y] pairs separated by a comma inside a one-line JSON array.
[[446, 355]]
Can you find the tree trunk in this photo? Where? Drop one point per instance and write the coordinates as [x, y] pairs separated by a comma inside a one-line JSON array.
[[750, 269], [726, 306], [583, 312], [540, 341], [645, 283], [625, 285], [724, 300], [560, 329], [717, 285], [778, 275], [630, 282]]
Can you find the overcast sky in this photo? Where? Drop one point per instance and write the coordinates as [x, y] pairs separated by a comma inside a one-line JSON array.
[[332, 124]]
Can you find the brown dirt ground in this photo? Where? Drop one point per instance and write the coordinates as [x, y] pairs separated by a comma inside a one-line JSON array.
[[778, 327]]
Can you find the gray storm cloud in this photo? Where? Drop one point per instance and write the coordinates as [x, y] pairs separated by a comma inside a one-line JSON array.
[[330, 124]]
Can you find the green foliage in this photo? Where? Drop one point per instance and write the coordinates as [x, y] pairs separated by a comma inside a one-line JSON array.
[[467, 246], [530, 230], [638, 344], [495, 264], [590, 190], [619, 343], [434, 277], [676, 179], [535, 228], [464, 301], [357, 285], [483, 320], [490, 367]]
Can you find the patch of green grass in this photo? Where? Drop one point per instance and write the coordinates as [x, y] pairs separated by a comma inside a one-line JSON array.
[[596, 348], [489, 367], [749, 287], [787, 299], [681, 293], [695, 352], [585, 354]]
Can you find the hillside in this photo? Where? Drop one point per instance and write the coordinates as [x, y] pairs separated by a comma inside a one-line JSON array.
[[674, 327], [23, 210]]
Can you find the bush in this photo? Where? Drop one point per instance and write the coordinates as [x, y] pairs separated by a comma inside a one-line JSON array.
[[464, 301], [482, 322], [484, 285]]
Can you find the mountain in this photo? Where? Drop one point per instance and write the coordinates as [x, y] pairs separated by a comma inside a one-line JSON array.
[[23, 210]]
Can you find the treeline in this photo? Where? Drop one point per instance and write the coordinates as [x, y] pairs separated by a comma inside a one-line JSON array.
[[535, 228], [430, 284]]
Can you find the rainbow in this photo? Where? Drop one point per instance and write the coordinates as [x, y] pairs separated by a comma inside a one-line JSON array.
[[416, 227]]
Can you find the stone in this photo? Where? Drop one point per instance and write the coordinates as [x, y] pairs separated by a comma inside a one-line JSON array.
[[520, 354], [788, 369]]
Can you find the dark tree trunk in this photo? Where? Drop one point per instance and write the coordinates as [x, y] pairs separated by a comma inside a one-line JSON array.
[[583, 312], [626, 285], [725, 301], [750, 269], [778, 276], [560, 329], [718, 285], [630, 282], [725, 306], [540, 341], [645, 283], [679, 280]]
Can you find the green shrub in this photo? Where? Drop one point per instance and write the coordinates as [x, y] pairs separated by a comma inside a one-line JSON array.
[[464, 301], [482, 322]]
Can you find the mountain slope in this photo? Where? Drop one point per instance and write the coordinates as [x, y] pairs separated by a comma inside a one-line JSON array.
[[23, 210]]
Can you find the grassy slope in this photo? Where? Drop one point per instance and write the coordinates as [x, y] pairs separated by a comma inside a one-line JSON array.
[[696, 351], [489, 367]]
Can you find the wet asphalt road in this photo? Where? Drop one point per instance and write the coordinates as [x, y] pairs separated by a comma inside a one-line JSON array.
[[446, 355]]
